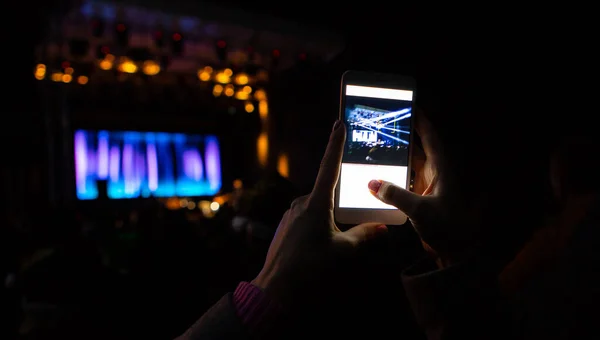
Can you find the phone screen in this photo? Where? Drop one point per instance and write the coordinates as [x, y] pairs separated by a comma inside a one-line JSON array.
[[378, 124]]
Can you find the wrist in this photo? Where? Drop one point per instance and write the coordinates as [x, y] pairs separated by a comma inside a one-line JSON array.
[[268, 283]]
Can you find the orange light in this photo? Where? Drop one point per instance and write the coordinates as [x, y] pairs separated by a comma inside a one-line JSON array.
[[82, 80]]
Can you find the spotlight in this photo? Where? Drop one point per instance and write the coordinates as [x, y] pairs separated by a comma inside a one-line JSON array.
[[177, 43], [122, 34], [221, 47]]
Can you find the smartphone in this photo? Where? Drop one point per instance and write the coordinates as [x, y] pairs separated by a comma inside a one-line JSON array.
[[377, 111]]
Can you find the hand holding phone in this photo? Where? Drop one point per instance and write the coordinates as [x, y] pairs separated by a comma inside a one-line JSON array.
[[377, 111]]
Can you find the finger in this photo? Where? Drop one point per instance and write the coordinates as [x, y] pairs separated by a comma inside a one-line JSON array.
[[396, 196], [363, 233], [322, 194], [298, 202]]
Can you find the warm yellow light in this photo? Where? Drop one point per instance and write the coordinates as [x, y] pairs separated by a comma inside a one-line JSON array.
[[222, 78], [106, 64], [128, 66], [214, 206], [66, 78], [283, 165], [150, 68], [229, 90], [241, 79], [208, 69], [217, 90], [57, 76], [241, 95], [237, 184], [260, 94], [228, 72], [203, 75], [69, 70], [40, 67], [109, 57], [263, 109], [262, 149], [247, 89], [82, 80], [249, 107], [40, 72]]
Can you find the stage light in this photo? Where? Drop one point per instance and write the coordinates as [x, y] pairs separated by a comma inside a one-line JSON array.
[[150, 68], [66, 78], [214, 206], [238, 184], [249, 107], [217, 90], [262, 148], [127, 66], [228, 72], [205, 73], [247, 89], [97, 27], [229, 91], [241, 79], [82, 80], [241, 95], [122, 34], [263, 109], [221, 47], [177, 43], [69, 70], [40, 71], [260, 94], [57, 76], [223, 78], [105, 64], [283, 165]]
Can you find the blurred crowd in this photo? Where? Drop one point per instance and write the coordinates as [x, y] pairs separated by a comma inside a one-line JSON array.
[[112, 268]]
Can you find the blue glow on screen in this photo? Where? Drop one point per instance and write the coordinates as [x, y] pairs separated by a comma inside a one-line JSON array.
[[146, 164]]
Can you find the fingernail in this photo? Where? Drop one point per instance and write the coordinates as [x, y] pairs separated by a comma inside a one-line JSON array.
[[381, 228], [374, 186], [336, 125]]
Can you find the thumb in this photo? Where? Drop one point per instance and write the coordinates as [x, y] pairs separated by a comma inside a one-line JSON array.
[[362, 233]]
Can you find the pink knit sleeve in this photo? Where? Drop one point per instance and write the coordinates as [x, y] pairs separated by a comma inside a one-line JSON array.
[[258, 312]]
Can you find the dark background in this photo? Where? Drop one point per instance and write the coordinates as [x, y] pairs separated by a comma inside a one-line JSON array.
[[461, 58]]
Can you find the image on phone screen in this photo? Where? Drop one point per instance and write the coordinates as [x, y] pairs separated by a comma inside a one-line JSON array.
[[378, 122]]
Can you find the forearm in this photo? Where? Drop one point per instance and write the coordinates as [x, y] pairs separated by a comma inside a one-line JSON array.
[[248, 313]]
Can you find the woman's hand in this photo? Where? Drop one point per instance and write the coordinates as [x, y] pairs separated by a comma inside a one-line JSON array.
[[307, 242], [446, 224]]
